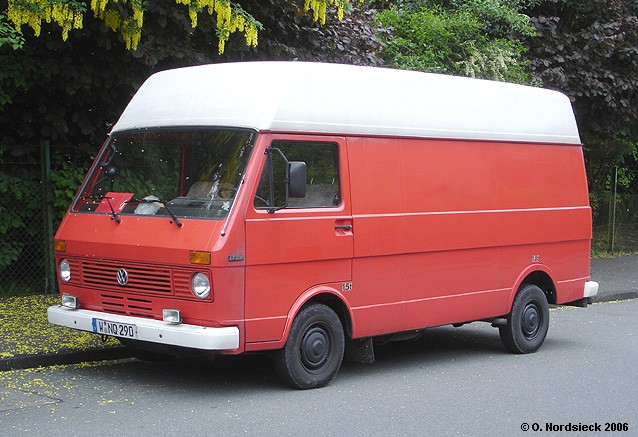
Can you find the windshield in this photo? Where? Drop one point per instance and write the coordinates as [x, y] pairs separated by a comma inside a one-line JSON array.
[[185, 173]]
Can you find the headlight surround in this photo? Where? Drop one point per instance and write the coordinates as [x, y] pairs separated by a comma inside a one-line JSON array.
[[200, 285], [64, 270]]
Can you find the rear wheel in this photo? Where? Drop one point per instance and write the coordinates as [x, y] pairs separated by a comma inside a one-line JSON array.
[[527, 324], [314, 350]]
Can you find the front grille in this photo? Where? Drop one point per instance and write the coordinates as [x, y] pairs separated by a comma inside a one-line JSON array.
[[141, 279], [127, 305]]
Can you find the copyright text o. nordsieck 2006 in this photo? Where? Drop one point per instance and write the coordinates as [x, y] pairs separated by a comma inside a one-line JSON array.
[[576, 427]]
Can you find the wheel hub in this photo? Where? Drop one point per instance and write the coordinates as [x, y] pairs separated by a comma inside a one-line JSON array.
[[531, 320], [315, 348]]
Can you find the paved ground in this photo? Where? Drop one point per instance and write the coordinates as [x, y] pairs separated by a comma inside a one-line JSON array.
[[27, 340], [618, 277], [451, 382]]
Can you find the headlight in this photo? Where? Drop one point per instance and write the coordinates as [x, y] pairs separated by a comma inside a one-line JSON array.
[[65, 270], [200, 285]]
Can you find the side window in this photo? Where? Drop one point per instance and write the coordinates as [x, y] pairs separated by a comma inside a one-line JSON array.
[[323, 188]]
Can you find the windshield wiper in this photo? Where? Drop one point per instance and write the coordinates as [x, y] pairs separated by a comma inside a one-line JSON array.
[[154, 199], [115, 216], [173, 216]]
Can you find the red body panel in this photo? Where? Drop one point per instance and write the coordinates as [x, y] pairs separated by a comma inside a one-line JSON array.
[[442, 232], [462, 221]]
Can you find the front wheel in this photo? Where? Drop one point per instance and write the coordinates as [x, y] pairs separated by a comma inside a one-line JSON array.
[[527, 324], [314, 350]]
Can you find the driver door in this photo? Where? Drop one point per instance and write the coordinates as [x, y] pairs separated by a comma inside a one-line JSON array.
[[306, 244]]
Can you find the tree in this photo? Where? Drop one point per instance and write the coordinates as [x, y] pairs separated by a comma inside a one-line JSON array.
[[589, 50], [69, 91], [354, 39], [477, 38], [127, 16]]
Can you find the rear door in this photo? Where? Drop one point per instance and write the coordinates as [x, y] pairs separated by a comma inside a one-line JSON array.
[[306, 244]]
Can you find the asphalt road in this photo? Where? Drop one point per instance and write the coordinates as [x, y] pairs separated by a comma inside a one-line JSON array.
[[453, 381]]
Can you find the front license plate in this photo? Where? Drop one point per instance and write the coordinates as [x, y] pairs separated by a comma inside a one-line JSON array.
[[114, 328]]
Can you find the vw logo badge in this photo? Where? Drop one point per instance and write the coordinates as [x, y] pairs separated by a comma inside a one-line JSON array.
[[122, 277]]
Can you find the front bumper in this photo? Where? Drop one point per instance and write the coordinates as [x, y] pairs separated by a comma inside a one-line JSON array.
[[154, 331]]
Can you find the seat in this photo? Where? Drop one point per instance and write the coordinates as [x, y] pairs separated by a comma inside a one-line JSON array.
[[317, 196], [200, 190]]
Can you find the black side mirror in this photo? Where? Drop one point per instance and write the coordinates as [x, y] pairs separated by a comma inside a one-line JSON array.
[[111, 172], [297, 179], [294, 182], [109, 175]]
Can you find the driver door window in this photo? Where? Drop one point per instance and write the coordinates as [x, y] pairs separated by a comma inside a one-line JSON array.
[[323, 187]]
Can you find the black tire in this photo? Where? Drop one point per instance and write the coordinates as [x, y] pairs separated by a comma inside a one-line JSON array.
[[528, 322], [314, 350]]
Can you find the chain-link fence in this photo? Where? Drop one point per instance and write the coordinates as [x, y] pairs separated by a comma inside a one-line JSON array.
[[616, 218], [26, 221]]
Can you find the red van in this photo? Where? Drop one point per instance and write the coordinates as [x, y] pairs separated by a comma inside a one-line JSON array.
[[306, 208]]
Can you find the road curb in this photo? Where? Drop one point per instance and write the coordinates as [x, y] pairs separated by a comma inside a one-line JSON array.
[[64, 357], [620, 295]]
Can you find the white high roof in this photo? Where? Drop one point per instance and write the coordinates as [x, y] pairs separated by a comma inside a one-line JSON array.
[[343, 99]]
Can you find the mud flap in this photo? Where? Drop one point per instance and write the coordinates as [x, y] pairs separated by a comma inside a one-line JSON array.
[[359, 351]]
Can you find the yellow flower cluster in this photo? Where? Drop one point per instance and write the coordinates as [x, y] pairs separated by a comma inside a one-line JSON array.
[[32, 12], [130, 34], [229, 19], [129, 27], [111, 19], [319, 8], [229, 16], [98, 6]]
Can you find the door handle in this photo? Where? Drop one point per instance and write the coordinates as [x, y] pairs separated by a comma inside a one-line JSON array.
[[344, 227]]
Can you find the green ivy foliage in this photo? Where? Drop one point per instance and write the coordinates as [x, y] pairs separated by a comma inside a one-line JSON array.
[[9, 36], [65, 181], [20, 199]]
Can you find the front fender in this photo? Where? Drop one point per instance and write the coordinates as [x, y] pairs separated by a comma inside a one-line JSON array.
[[318, 293]]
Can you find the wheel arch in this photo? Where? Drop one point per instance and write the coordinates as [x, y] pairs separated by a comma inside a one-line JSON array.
[[327, 296], [540, 276], [338, 306]]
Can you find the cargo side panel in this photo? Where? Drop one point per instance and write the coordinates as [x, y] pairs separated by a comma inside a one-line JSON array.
[[463, 219]]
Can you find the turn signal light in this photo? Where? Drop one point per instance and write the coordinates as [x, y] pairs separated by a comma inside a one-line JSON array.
[[197, 257], [59, 245]]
